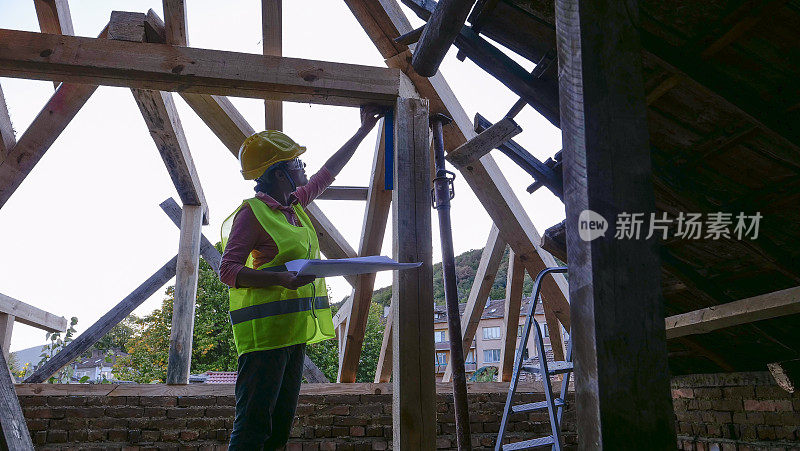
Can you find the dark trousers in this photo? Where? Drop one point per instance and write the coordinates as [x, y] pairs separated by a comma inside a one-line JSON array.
[[267, 388]]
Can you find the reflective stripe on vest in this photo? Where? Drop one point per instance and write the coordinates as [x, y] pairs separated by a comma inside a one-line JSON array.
[[275, 317], [281, 307]]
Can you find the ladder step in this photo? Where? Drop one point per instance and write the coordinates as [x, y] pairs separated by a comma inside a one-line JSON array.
[[530, 407], [558, 367], [528, 444]]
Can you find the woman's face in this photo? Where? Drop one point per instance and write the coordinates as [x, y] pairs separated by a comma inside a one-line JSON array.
[[297, 169]]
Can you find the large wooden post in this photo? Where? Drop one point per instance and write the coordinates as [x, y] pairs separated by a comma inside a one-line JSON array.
[[272, 43], [621, 377], [180, 340], [414, 383]]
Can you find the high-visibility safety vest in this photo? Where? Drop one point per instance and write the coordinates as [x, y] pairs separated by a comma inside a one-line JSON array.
[[274, 317]]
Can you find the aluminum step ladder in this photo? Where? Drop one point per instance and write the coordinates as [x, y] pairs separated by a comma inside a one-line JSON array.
[[545, 369]]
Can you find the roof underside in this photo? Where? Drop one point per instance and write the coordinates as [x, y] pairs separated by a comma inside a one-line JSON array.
[[721, 79]]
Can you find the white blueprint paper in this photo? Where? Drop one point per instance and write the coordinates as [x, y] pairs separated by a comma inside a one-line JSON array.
[[346, 266]]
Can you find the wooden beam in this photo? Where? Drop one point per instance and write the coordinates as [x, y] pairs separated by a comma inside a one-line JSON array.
[[491, 257], [514, 282], [489, 139], [12, 421], [621, 374], [441, 30], [173, 68], [97, 330], [413, 380], [312, 373], [32, 316], [345, 193], [272, 39], [383, 372], [54, 16], [376, 215], [161, 117], [662, 88], [222, 118], [743, 311], [6, 328], [7, 137], [180, 340], [207, 250], [175, 22]]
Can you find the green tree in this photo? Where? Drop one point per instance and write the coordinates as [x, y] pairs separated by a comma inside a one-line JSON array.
[[55, 346], [117, 338]]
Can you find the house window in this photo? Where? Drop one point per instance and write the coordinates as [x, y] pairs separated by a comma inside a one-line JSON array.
[[519, 330], [441, 358], [491, 355], [440, 336], [470, 357], [545, 330], [491, 333]]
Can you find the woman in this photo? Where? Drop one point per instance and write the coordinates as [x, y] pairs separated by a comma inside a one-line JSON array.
[[274, 312]]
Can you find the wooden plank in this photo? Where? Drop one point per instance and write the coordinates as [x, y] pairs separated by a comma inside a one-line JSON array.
[[756, 308], [413, 381], [6, 328], [173, 68], [383, 372], [207, 250], [175, 22], [127, 26], [482, 144], [222, 118], [479, 293], [383, 20], [153, 390], [514, 282], [97, 330], [331, 242], [272, 39], [344, 193], [180, 340], [662, 88], [32, 316], [161, 117], [441, 30], [621, 374], [12, 421], [7, 137], [373, 230]]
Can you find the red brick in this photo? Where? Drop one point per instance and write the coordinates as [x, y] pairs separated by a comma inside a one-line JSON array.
[[124, 412], [189, 401], [682, 393], [779, 405], [186, 412], [56, 436], [96, 435], [357, 431], [189, 435], [158, 401], [118, 435]]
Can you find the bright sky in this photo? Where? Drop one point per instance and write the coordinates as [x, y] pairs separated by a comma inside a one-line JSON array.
[[84, 229]]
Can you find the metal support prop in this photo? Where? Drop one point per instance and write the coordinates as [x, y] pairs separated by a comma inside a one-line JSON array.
[[442, 193]]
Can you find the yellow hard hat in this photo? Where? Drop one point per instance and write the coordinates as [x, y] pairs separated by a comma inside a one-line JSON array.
[[263, 149]]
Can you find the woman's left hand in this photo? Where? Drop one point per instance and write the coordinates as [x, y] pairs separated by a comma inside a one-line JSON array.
[[370, 115]]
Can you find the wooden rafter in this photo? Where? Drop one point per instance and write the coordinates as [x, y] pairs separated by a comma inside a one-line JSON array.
[[54, 18], [173, 68], [376, 215], [175, 28], [479, 293], [344, 193], [272, 40], [743, 311], [483, 143], [383, 20], [383, 371], [516, 278]]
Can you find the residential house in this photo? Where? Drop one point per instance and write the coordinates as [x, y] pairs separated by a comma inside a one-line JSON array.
[[485, 349], [97, 366]]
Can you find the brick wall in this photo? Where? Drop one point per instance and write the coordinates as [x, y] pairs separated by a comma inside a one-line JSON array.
[[329, 421], [738, 411], [735, 411]]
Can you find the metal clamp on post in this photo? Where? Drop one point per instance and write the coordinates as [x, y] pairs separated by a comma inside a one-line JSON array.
[[447, 177]]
